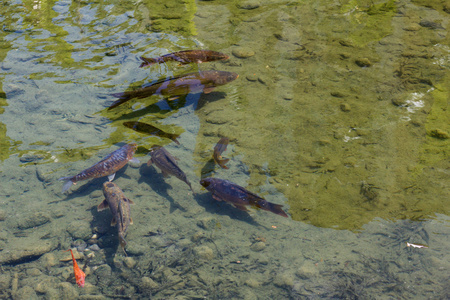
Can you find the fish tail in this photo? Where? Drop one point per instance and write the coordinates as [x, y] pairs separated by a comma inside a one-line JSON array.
[[276, 209], [223, 162], [147, 62], [122, 241], [175, 140], [118, 102], [67, 184]]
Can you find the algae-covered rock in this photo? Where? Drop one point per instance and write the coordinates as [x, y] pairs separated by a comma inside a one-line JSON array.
[[204, 252], [242, 52], [27, 293], [33, 220], [68, 290], [80, 230], [439, 133], [363, 62], [250, 4]]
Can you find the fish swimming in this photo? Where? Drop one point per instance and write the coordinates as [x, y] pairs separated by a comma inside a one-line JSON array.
[[220, 147], [106, 167], [174, 87], [185, 57], [167, 163], [120, 209], [224, 190], [152, 130], [79, 274]]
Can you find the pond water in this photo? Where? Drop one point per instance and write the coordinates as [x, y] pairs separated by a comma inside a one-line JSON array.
[[339, 113]]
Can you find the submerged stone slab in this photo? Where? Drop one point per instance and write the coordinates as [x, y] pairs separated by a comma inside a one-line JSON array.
[[24, 249]]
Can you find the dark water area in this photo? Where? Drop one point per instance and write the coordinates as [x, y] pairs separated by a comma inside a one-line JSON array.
[[339, 113]]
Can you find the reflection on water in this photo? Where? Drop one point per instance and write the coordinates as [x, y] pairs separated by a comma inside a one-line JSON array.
[[339, 113]]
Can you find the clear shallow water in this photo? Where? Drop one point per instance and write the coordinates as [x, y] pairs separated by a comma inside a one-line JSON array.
[[334, 115]]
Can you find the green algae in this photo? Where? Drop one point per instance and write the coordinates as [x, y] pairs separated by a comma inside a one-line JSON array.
[[337, 169]]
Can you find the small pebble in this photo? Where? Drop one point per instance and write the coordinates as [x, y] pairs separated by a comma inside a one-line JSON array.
[[251, 4], [439, 133], [94, 247], [252, 77], [345, 107], [204, 252], [129, 262], [363, 62], [242, 52], [258, 246]]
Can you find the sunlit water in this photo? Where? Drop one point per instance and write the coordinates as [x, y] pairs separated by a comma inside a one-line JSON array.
[[340, 113]]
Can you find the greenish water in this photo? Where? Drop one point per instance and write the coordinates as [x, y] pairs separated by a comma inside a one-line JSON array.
[[340, 113]]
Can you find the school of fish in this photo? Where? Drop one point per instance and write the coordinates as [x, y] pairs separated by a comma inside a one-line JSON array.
[[172, 88]]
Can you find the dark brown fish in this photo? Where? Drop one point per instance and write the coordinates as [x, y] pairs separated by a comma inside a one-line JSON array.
[[166, 162], [224, 190], [152, 130], [191, 83], [120, 209], [106, 167], [220, 147], [185, 57]]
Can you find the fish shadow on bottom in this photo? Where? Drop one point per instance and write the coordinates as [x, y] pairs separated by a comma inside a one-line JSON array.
[[209, 98], [157, 183], [208, 169], [222, 208], [108, 239]]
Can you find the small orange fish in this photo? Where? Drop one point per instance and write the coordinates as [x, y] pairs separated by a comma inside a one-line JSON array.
[[79, 274]]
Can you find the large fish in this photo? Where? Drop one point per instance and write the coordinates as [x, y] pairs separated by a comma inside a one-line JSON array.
[[224, 190], [120, 209], [185, 57], [152, 130], [167, 163], [220, 147], [106, 167], [191, 83]]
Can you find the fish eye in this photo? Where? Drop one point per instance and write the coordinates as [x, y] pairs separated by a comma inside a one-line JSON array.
[[204, 183]]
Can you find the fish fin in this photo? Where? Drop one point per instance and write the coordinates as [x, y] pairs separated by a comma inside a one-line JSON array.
[[67, 185], [113, 221], [208, 90], [102, 206], [135, 160], [149, 163], [111, 177], [176, 141], [147, 61], [165, 174], [130, 201], [131, 221], [217, 198], [173, 98], [243, 208]]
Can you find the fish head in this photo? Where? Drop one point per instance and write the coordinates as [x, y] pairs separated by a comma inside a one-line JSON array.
[[207, 183], [131, 150], [223, 77], [109, 188]]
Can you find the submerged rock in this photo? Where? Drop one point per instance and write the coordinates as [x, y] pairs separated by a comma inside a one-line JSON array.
[[204, 252], [439, 133], [80, 230], [242, 52], [33, 220], [26, 292]]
